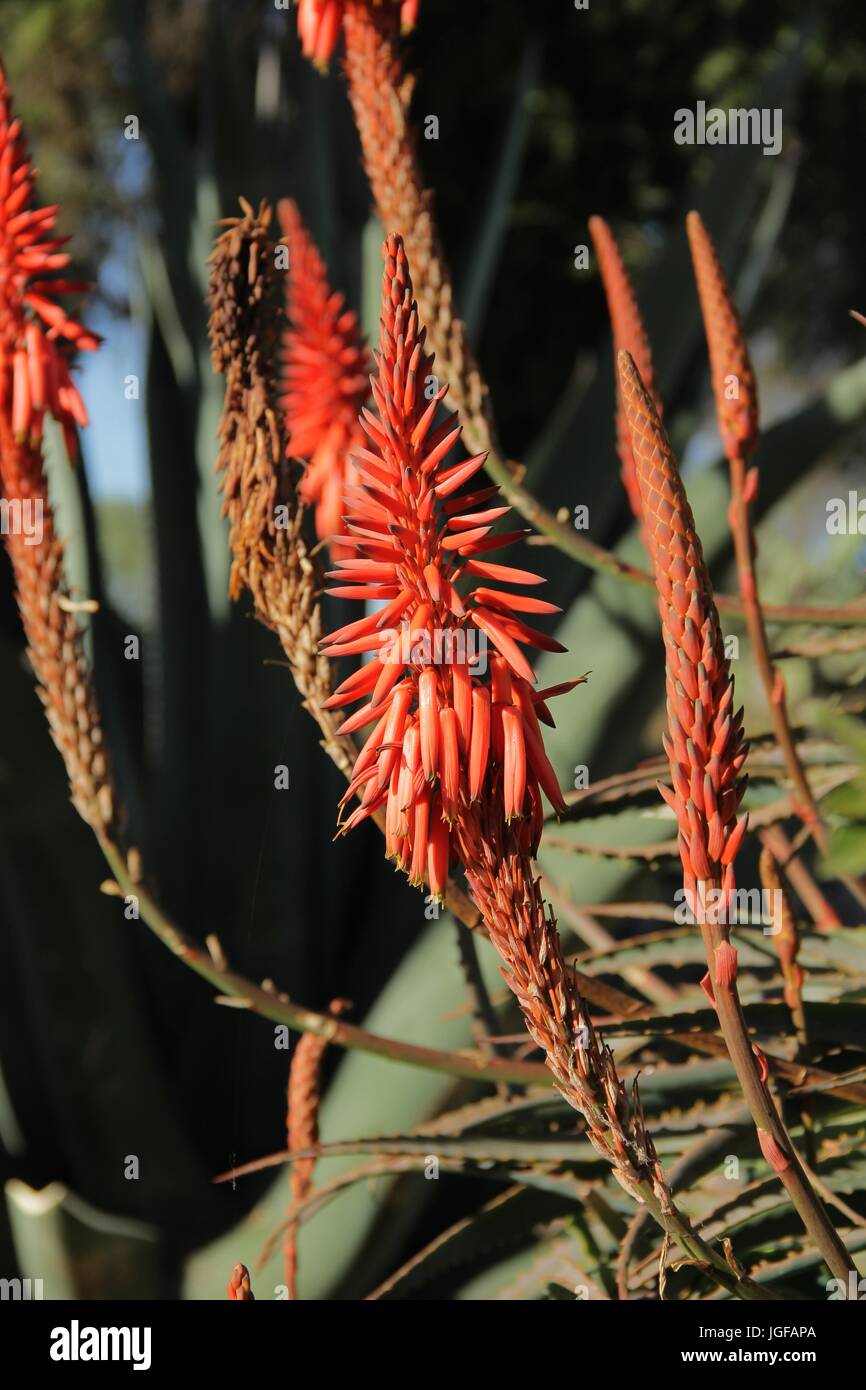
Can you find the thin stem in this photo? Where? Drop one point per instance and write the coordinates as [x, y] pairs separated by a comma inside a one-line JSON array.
[[775, 1142], [703, 1144], [773, 682], [808, 890]]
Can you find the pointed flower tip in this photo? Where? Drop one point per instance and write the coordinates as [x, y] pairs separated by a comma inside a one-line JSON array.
[[324, 378], [736, 413], [37, 337]]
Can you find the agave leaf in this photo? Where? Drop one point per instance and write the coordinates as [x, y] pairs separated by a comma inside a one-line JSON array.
[[834, 1023], [476, 286], [847, 853], [463, 1247], [349, 1239]]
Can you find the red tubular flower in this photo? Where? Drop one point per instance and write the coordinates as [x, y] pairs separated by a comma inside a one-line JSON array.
[[320, 21], [34, 329], [443, 726], [325, 376], [319, 24]]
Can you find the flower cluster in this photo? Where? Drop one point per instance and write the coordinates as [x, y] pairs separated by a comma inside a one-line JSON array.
[[320, 21], [444, 727], [34, 329], [629, 335], [734, 385], [705, 749], [36, 335], [324, 378]]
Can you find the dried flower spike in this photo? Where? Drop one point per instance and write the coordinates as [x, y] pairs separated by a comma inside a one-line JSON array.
[[420, 527], [325, 376], [630, 335]]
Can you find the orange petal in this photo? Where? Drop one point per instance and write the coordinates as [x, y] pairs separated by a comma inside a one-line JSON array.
[[428, 714], [479, 747]]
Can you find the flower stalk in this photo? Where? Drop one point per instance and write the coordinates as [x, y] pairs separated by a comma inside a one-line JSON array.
[[455, 754], [37, 338], [736, 397], [628, 334], [706, 754]]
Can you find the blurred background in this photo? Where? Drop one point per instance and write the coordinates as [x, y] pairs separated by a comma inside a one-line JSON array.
[[108, 1046]]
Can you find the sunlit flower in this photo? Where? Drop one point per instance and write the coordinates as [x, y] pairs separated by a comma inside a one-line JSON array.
[[325, 376], [629, 335], [734, 386], [319, 23], [705, 746], [35, 337], [35, 332], [448, 719]]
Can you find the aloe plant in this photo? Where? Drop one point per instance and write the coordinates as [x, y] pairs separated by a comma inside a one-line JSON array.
[[446, 1163]]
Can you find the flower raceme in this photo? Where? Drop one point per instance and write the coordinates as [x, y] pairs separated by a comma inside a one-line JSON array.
[[320, 21], [630, 335], [419, 524], [34, 329], [705, 748], [325, 376], [35, 335], [734, 385]]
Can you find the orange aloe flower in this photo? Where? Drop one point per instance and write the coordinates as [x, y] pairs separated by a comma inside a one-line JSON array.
[[34, 330], [320, 21], [325, 376], [444, 721]]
